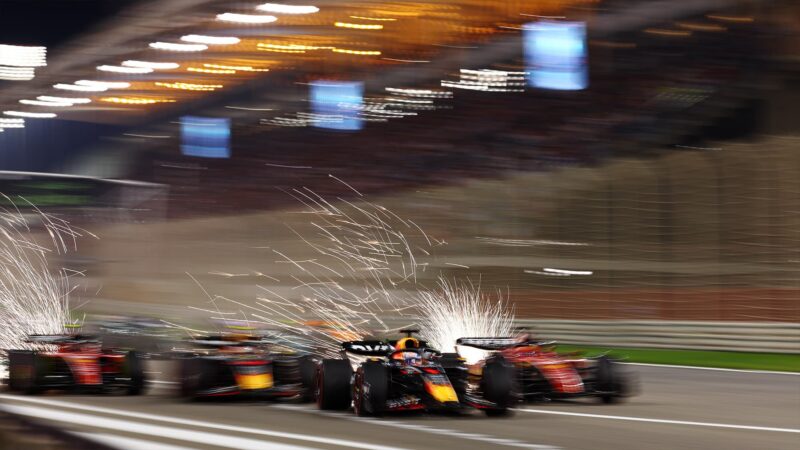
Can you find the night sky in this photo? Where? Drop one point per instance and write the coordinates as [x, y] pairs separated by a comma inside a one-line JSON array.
[[50, 22]]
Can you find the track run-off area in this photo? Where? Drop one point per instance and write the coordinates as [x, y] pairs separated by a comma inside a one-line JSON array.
[[675, 408]]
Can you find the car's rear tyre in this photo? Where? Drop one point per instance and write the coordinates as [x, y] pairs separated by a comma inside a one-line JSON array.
[[191, 373], [308, 377], [609, 381], [22, 371], [333, 384], [497, 385], [371, 401], [134, 369]]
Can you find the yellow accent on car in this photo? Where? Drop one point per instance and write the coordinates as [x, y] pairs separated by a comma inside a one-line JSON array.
[[441, 392], [251, 382]]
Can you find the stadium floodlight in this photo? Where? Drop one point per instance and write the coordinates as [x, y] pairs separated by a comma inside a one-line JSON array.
[[246, 18], [173, 47], [151, 64], [30, 114], [44, 103], [73, 100], [104, 84], [280, 8], [74, 87], [210, 40], [23, 56], [122, 69]]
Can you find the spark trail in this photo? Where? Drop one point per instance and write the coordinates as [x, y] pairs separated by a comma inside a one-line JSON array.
[[33, 300], [365, 269]]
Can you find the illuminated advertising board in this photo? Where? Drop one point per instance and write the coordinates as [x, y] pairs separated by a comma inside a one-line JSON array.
[[336, 104], [206, 137], [555, 55]]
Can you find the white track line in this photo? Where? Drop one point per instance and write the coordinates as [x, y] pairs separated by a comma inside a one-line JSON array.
[[197, 437], [198, 423], [664, 421], [719, 369], [127, 443], [423, 428]]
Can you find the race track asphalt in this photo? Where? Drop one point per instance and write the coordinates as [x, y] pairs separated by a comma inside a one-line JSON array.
[[676, 408]]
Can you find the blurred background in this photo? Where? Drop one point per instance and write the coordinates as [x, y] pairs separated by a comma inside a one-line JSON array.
[[595, 160]]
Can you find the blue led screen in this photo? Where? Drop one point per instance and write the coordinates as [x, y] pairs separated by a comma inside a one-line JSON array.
[[555, 55], [206, 137], [336, 104]]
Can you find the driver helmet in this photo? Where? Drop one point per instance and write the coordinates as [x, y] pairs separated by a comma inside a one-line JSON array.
[[407, 342]]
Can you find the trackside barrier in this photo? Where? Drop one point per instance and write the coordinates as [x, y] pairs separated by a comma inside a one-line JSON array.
[[694, 335]]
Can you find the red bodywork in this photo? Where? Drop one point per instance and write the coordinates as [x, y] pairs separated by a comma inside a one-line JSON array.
[[562, 373], [87, 363]]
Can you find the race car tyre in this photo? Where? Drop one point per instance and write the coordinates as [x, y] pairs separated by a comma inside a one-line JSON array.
[[191, 373], [22, 370], [308, 377], [371, 389], [609, 382], [497, 384], [456, 371], [333, 384], [133, 369]]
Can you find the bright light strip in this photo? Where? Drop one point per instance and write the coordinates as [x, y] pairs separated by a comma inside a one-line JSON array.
[[245, 18], [190, 86], [288, 48], [23, 56], [30, 114], [568, 272], [134, 100], [122, 69], [358, 26], [72, 100], [287, 9], [210, 40], [104, 84], [11, 123], [44, 103], [173, 47], [356, 52], [376, 19], [13, 73], [151, 65], [239, 68], [73, 87], [213, 71]]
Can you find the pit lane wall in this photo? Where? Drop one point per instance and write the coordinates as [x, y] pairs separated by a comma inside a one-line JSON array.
[[767, 337]]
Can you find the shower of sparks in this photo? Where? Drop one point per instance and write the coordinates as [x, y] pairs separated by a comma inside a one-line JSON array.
[[460, 309], [362, 279], [33, 300]]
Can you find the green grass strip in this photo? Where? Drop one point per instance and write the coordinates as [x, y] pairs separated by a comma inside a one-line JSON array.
[[701, 358]]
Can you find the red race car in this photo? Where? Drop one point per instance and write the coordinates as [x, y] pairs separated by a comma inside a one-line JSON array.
[[543, 374], [76, 363]]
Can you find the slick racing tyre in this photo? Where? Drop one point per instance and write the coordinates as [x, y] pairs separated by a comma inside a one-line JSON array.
[[610, 382], [371, 389], [333, 384], [192, 377], [308, 377], [132, 368], [497, 384], [22, 371]]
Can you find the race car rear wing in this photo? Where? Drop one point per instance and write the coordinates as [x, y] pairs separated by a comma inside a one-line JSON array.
[[367, 348], [498, 343], [60, 339], [488, 343]]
